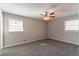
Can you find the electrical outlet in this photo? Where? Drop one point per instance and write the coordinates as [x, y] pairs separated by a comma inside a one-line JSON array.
[[24, 40]]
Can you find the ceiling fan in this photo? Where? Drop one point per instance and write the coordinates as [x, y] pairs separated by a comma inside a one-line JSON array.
[[53, 12], [48, 15]]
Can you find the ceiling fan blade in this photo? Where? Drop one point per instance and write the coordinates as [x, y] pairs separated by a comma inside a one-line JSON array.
[[52, 16], [52, 13], [42, 15]]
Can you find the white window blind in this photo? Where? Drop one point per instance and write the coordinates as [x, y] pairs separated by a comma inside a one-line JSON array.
[[72, 25], [15, 25]]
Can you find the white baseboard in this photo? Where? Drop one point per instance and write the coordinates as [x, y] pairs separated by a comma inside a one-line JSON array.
[[24, 42], [40, 39], [62, 40]]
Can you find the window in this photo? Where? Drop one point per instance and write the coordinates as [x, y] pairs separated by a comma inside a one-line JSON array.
[[15, 25], [72, 25]]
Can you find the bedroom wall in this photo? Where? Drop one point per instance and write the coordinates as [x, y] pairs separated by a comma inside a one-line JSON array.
[[56, 30], [33, 30]]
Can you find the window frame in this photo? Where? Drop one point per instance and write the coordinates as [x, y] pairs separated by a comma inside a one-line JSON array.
[[16, 24], [74, 26]]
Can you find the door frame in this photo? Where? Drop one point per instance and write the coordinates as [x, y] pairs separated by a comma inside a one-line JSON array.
[[2, 46]]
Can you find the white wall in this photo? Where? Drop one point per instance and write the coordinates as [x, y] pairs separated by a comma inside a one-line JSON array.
[[33, 30], [56, 30]]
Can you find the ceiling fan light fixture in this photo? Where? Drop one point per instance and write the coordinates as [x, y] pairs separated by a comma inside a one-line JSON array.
[[46, 18]]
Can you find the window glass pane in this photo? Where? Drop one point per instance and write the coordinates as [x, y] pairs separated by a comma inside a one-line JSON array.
[[72, 25], [15, 25], [76, 22], [69, 23], [71, 28], [72, 22]]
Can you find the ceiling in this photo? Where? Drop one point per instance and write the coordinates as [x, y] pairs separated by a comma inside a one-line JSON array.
[[35, 9]]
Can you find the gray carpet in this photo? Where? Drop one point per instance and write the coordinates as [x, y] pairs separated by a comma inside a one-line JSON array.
[[46, 47]]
